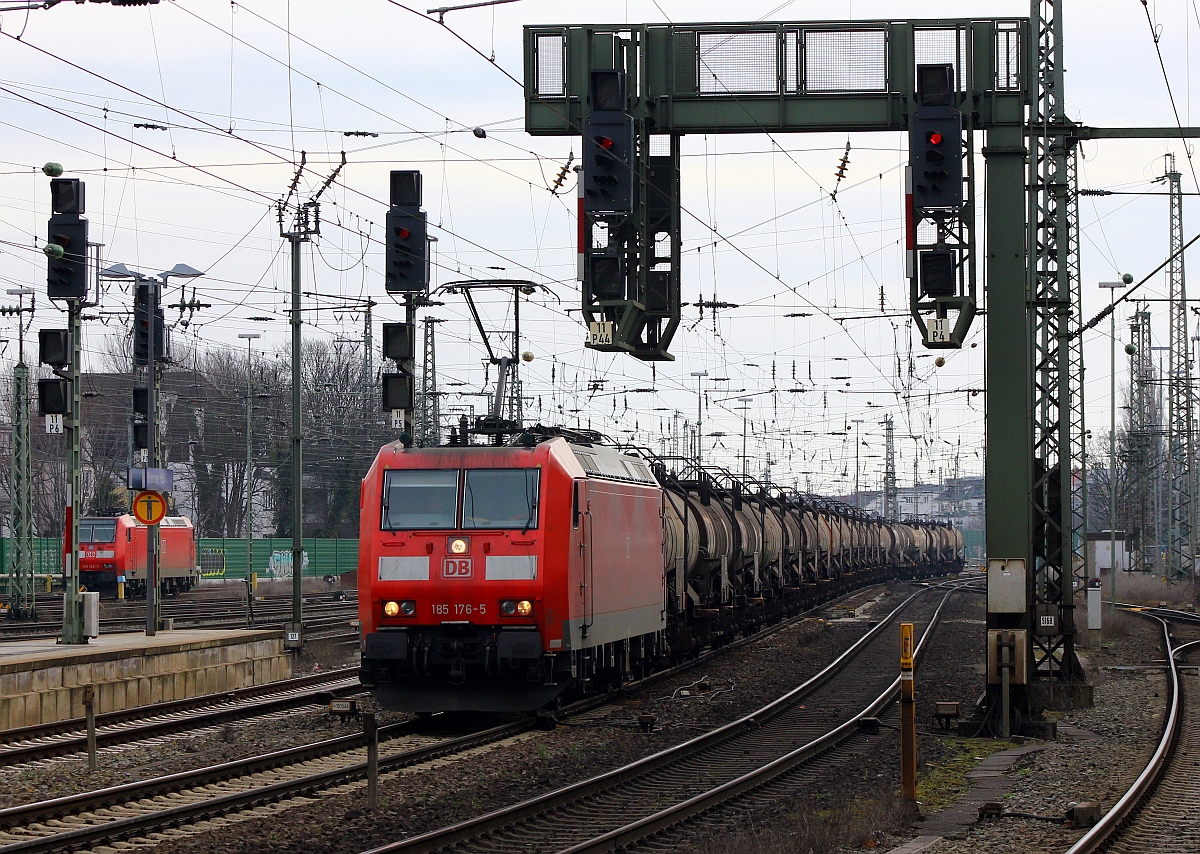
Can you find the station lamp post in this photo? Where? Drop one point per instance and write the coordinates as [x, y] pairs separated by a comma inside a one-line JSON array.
[[150, 312], [1112, 435]]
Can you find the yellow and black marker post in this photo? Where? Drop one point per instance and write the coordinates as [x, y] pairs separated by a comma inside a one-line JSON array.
[[908, 717]]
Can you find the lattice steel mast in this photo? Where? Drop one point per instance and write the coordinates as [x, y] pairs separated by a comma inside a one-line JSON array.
[[428, 416], [1079, 479], [368, 375], [1050, 291], [21, 600], [1180, 402], [1143, 441], [891, 495]]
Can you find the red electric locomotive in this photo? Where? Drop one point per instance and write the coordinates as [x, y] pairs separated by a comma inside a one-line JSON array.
[[112, 549], [497, 577]]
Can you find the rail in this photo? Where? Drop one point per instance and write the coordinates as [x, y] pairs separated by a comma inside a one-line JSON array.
[[470, 829], [1127, 806]]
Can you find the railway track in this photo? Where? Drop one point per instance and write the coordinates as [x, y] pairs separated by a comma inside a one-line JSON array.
[[1161, 810], [758, 755], [135, 809], [45, 741]]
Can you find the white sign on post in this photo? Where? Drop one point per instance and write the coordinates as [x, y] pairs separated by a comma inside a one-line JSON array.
[[54, 424], [939, 330], [397, 419], [600, 333]]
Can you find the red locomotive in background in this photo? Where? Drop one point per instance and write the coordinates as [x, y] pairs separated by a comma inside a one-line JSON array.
[[500, 577], [113, 549]]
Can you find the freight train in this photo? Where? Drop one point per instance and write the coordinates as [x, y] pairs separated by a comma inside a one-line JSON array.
[[506, 577], [113, 549]]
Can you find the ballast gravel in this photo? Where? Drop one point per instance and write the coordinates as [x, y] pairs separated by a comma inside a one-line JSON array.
[[1109, 744]]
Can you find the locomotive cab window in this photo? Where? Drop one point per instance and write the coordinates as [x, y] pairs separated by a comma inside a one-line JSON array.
[[500, 498], [97, 531], [415, 499]]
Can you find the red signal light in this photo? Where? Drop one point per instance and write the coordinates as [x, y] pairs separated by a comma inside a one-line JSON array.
[[604, 142], [933, 138], [403, 233]]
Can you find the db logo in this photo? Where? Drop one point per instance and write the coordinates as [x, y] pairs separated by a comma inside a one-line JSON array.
[[456, 567]]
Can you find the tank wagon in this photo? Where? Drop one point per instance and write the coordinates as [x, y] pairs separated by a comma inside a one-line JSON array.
[[504, 577], [114, 547]]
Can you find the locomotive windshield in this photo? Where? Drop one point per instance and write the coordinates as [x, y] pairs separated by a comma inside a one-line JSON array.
[[423, 499], [97, 530], [414, 499], [500, 498]]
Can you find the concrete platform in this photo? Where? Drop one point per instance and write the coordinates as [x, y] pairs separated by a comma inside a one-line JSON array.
[[42, 681]]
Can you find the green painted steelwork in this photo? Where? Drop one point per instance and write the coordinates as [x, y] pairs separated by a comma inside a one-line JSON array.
[[17, 561], [973, 545], [772, 76], [1008, 467], [746, 78]]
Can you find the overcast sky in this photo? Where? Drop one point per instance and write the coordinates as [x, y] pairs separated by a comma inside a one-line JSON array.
[[245, 98]]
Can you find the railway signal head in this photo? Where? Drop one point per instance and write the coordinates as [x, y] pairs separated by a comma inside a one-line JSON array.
[[54, 347], [66, 254], [141, 328], [404, 188], [66, 196], [141, 435], [405, 251], [607, 146], [936, 273], [399, 341], [936, 151], [935, 85], [935, 140], [54, 397], [399, 391], [608, 164]]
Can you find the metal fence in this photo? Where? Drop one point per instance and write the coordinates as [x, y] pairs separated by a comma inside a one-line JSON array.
[[226, 557], [220, 557], [47, 556]]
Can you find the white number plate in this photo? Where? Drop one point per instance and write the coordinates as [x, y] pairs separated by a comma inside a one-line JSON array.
[[459, 610], [54, 425], [600, 333], [939, 330]]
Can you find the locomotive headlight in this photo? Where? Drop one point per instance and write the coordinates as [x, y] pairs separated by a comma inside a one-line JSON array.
[[391, 609], [524, 608], [508, 607], [459, 546], [408, 607]]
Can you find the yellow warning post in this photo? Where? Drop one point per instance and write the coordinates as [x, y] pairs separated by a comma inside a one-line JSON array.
[[908, 717]]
